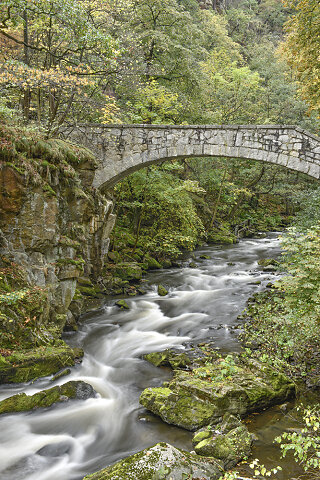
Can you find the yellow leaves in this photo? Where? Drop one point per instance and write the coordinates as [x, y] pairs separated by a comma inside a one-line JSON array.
[[111, 111], [301, 49], [16, 74]]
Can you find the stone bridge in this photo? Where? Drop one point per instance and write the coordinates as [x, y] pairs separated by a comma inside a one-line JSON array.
[[123, 149]]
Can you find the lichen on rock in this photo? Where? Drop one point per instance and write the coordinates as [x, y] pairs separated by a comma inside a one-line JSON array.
[[161, 462]]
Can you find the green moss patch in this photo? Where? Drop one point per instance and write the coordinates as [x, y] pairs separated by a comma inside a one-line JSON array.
[[25, 365], [46, 398], [161, 462], [203, 396]]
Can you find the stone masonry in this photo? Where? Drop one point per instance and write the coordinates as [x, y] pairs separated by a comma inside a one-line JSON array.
[[123, 149]]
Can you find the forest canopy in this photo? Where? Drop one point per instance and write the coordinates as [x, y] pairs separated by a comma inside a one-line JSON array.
[[152, 61]]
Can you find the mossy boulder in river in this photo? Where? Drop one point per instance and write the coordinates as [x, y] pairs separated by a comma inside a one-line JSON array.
[[161, 462], [229, 441], [201, 397], [162, 291], [42, 361], [168, 358], [60, 393]]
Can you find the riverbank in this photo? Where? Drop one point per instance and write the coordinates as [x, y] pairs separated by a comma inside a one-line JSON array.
[[82, 437]]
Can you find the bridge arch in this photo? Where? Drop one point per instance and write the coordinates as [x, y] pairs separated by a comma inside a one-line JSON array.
[[123, 149]]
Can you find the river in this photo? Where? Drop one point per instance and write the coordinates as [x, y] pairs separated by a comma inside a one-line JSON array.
[[73, 439]]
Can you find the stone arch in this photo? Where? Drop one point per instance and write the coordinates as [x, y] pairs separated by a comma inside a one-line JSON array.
[[123, 149]]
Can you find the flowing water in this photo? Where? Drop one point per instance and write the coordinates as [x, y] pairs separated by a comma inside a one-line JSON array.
[[73, 439]]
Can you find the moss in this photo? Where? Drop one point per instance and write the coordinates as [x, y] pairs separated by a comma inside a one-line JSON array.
[[225, 239], [229, 448], [128, 271], [161, 462], [168, 358], [122, 304], [15, 167], [26, 365], [49, 190], [70, 261], [45, 398], [69, 242], [179, 409], [200, 436], [203, 396], [151, 263], [59, 375], [162, 291]]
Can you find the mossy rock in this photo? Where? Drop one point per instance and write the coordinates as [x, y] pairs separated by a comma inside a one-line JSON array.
[[162, 291], [28, 365], [201, 397], [179, 408], [230, 448], [161, 462], [44, 399], [87, 288], [266, 262], [151, 263], [224, 238], [122, 304], [128, 271], [168, 358]]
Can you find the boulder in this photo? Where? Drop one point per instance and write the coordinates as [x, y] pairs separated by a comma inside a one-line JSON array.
[[168, 358], [201, 397], [229, 441], [162, 291], [151, 263], [25, 365], [60, 393], [128, 271], [122, 304], [161, 462]]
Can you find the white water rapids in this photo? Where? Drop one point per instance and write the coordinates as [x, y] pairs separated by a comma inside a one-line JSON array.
[[70, 440]]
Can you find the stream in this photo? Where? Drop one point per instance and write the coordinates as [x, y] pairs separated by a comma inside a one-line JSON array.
[[70, 440]]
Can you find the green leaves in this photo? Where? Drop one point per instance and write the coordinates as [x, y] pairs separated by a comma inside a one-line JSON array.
[[305, 444]]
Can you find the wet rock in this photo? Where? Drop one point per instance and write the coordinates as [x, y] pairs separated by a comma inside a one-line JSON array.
[[26, 365], [151, 263], [162, 461], [168, 358], [122, 304], [229, 441], [128, 271], [268, 264], [21, 402], [205, 257], [162, 291], [192, 265], [65, 372], [55, 449], [176, 264], [201, 397]]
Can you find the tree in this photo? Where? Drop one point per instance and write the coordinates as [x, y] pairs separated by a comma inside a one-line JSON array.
[[301, 48], [62, 51]]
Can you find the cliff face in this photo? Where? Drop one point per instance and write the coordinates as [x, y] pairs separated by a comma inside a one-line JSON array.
[[54, 228]]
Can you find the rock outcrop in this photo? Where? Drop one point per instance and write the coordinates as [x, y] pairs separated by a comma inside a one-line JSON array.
[[54, 229], [201, 397]]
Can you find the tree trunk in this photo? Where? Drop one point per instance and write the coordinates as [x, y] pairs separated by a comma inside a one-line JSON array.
[[26, 59]]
